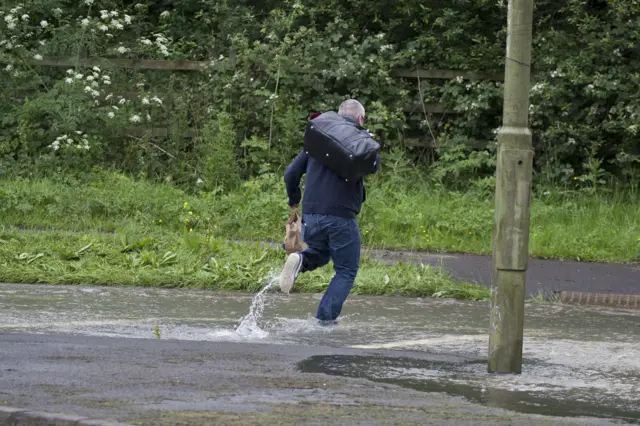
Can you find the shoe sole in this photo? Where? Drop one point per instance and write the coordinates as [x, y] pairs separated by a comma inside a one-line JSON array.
[[289, 272]]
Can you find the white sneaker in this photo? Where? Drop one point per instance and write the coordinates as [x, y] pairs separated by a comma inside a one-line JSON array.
[[290, 272]]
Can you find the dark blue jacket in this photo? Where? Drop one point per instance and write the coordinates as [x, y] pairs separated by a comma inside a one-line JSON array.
[[325, 192]]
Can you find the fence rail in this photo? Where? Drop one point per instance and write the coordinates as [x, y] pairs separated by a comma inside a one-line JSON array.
[[183, 65], [154, 64]]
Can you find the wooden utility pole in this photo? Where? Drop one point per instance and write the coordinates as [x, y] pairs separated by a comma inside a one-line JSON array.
[[512, 200]]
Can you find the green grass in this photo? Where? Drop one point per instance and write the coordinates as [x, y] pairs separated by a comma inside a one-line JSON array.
[[396, 215], [134, 257]]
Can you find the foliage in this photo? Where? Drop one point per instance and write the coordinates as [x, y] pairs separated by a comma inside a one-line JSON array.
[[195, 260], [271, 63], [403, 210]]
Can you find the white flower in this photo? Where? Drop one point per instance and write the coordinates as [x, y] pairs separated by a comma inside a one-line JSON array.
[[84, 22], [44, 24], [145, 101], [57, 11], [113, 13], [135, 119], [103, 27], [111, 114], [9, 68], [116, 24], [42, 42], [95, 93], [148, 117], [104, 14], [459, 79], [164, 14], [90, 78], [140, 85], [78, 76], [115, 108], [537, 88], [122, 101], [157, 100], [37, 57], [122, 49], [95, 84], [11, 25], [109, 96], [78, 132], [96, 69], [146, 41], [127, 19], [88, 89], [24, 17], [68, 80], [88, 2]]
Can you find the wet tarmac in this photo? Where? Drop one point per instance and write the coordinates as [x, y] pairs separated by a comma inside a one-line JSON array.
[[578, 361]]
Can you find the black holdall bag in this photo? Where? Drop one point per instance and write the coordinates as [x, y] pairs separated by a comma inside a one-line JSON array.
[[341, 146]]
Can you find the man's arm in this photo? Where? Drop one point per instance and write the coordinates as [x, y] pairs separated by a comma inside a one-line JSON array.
[[292, 177]]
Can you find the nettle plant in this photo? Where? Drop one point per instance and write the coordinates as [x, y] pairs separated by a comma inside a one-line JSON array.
[[68, 114]]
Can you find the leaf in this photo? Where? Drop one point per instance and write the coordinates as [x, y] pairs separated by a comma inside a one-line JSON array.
[[85, 248], [29, 257], [137, 245], [168, 258]]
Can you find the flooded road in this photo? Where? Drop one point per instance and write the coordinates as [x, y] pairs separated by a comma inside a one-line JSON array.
[[577, 360]]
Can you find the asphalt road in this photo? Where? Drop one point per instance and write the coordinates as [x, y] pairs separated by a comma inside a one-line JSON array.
[[543, 275], [158, 382]]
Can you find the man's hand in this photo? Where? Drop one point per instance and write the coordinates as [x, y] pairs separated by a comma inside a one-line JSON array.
[[293, 213]]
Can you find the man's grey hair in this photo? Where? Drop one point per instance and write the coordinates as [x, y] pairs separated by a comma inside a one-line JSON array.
[[351, 108]]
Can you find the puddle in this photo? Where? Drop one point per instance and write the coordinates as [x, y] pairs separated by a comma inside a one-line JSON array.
[[578, 360], [526, 393]]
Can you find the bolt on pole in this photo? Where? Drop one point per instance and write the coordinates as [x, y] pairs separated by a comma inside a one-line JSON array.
[[512, 198]]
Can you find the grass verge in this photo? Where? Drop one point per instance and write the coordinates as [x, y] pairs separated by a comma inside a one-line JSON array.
[[196, 260], [395, 215]]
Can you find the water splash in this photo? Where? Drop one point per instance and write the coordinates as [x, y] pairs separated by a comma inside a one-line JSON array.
[[248, 327]]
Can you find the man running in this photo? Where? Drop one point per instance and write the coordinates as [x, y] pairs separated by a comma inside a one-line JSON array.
[[330, 228]]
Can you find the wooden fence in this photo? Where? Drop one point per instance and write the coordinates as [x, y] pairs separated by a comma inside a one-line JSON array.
[[181, 65]]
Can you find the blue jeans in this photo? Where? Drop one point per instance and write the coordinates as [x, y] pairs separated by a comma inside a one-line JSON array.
[[337, 239]]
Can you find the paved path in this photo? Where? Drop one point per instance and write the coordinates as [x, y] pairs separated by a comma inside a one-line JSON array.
[[542, 275], [156, 382]]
